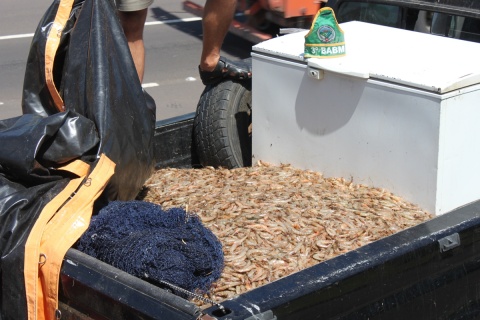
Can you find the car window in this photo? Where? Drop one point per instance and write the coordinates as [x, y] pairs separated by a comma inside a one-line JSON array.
[[455, 26], [465, 28], [382, 14]]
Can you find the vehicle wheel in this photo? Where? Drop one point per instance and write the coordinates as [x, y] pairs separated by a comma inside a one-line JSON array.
[[222, 125]]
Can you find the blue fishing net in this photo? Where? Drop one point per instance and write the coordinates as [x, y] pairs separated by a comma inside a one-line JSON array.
[[143, 240]]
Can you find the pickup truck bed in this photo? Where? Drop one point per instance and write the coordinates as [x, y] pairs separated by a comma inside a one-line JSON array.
[[431, 271]]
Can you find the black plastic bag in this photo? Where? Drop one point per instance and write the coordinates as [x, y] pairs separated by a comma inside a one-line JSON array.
[[96, 77], [103, 111], [31, 148]]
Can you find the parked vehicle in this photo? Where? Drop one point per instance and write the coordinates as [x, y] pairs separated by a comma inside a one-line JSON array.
[[431, 271]]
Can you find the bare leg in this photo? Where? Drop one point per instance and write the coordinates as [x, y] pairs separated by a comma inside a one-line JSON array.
[[133, 23], [217, 17]]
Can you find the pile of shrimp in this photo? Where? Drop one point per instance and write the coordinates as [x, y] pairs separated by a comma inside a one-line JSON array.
[[274, 220]]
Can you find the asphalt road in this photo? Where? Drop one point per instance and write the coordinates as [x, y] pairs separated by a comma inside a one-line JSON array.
[[172, 41]]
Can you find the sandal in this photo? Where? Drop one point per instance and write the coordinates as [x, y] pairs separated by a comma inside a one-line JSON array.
[[226, 69]]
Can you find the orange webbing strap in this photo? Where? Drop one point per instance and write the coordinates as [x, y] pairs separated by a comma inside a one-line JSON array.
[[51, 47], [59, 226], [32, 253]]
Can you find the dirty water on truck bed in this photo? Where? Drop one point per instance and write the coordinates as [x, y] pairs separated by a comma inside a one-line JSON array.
[[276, 220]]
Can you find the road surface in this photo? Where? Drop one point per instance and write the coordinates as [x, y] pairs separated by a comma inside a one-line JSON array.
[[172, 41]]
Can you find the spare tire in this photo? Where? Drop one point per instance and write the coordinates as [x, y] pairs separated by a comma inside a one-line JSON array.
[[222, 126]]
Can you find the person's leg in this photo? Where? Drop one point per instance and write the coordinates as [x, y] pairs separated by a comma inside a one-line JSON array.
[[217, 17], [133, 23]]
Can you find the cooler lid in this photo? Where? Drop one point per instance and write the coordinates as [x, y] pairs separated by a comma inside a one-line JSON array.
[[419, 60]]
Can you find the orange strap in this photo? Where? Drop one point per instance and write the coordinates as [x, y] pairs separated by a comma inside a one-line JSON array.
[[51, 47], [32, 253], [60, 224]]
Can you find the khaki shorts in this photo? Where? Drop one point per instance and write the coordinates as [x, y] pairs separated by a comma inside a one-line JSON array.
[[132, 5]]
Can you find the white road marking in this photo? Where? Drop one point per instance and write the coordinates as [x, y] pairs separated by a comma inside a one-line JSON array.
[[152, 23], [150, 85], [17, 36], [148, 23]]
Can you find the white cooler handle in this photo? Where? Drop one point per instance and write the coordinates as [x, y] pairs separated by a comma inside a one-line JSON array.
[[341, 65]]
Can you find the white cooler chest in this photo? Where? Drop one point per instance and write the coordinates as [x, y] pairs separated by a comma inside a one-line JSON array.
[[400, 111]]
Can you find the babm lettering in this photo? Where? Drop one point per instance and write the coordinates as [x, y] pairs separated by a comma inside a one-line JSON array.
[[332, 50], [328, 50]]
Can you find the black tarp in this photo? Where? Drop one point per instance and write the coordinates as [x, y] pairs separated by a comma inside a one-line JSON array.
[[29, 146], [96, 77], [106, 112]]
